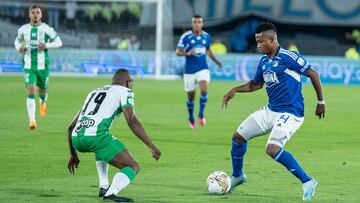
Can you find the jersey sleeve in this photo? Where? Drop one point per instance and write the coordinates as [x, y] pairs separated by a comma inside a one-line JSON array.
[[259, 74], [51, 33], [182, 42], [20, 34], [299, 64], [19, 39], [127, 99]]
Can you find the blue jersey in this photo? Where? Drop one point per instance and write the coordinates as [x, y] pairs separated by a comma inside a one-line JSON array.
[[200, 43], [282, 76]]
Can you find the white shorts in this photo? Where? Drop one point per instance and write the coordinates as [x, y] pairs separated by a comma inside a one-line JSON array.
[[191, 80], [280, 125]]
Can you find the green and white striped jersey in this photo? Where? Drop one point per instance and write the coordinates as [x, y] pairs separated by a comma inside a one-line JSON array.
[[102, 106], [30, 36]]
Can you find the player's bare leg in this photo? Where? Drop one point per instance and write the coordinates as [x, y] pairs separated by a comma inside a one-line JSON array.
[[128, 169], [238, 150], [30, 105], [287, 160], [203, 84], [190, 106], [42, 102]]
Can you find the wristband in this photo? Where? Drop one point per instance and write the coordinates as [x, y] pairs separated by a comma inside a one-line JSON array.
[[321, 102]]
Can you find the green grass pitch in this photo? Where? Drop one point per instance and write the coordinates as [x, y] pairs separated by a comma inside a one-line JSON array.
[[33, 163]]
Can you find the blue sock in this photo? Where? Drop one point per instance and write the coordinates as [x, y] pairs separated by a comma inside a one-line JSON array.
[[190, 107], [238, 150], [203, 100], [287, 160]]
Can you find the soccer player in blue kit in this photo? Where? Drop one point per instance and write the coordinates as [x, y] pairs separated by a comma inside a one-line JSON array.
[[280, 70], [195, 45]]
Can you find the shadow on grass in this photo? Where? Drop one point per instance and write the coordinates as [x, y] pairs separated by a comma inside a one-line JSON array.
[[42, 193]]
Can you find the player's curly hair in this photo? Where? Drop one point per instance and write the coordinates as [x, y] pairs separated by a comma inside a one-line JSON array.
[[265, 26], [35, 6]]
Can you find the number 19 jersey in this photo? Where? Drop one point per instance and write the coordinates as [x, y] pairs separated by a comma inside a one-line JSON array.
[[102, 106]]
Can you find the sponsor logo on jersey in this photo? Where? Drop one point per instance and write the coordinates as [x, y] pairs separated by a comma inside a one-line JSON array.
[[84, 123], [200, 50], [301, 61], [275, 64], [130, 100], [34, 43], [270, 78]]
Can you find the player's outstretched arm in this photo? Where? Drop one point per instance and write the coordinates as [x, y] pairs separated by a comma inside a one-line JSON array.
[[248, 87], [74, 159], [315, 80], [138, 130], [212, 56]]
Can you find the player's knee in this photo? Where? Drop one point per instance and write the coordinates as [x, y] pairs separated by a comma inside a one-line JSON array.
[[204, 89], [191, 96], [272, 149], [31, 89], [42, 91], [237, 137]]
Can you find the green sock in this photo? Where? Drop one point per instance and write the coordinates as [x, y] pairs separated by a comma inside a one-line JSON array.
[[129, 172], [31, 96], [43, 98]]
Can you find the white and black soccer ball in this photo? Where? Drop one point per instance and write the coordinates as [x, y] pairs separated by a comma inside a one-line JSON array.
[[218, 183]]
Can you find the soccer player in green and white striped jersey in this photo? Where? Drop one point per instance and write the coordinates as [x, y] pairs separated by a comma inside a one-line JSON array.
[[33, 40], [89, 132]]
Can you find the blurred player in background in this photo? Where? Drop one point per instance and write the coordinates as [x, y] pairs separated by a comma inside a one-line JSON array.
[[280, 70], [195, 45], [33, 40], [89, 132]]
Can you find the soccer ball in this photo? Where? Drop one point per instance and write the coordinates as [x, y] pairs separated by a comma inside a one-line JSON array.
[[218, 183]]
